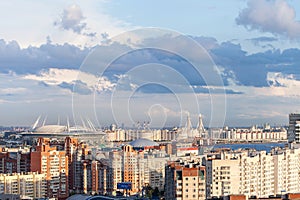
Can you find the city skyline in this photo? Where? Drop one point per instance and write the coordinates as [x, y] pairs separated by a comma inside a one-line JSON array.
[[44, 48]]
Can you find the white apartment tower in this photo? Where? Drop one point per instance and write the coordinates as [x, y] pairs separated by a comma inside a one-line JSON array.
[[287, 165]]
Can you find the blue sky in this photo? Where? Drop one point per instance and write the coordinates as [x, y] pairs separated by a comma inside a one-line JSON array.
[[46, 49]]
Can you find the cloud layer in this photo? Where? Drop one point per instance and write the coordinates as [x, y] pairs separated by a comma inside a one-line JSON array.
[[41, 76], [237, 67]]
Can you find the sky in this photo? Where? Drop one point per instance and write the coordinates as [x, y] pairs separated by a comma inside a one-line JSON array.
[[127, 62]]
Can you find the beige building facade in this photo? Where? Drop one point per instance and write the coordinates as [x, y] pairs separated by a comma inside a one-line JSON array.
[[31, 185]]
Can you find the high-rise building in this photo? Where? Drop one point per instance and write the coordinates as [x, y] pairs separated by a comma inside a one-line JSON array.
[[76, 152], [46, 159], [134, 168], [104, 172], [286, 170], [155, 170], [222, 177], [294, 128], [185, 181], [113, 172], [91, 176]]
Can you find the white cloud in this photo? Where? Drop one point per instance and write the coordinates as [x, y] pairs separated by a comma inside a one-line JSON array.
[[72, 19], [275, 16], [279, 79], [56, 77]]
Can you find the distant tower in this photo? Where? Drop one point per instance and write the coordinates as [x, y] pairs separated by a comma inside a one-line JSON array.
[[188, 125], [186, 130], [200, 126], [267, 126]]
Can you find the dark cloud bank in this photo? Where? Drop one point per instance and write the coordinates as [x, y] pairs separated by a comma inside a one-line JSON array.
[[237, 65]]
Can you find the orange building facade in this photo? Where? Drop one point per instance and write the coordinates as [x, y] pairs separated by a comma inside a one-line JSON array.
[[54, 164]]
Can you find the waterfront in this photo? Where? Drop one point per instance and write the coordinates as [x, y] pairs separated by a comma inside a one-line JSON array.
[[257, 146]]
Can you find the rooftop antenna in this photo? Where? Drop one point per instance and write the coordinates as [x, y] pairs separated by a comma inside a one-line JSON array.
[[58, 120]]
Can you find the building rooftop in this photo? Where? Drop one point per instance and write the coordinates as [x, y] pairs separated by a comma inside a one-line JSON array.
[[142, 142], [51, 129]]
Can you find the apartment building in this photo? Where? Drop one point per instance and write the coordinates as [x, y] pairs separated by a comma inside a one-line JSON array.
[[91, 176], [27, 185], [54, 164], [254, 134], [133, 168], [14, 160], [111, 172], [223, 177], [253, 173], [140, 162], [155, 169], [185, 181], [287, 165], [7, 164], [76, 153], [119, 135]]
